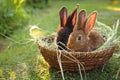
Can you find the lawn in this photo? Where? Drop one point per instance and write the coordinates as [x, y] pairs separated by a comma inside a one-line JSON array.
[[21, 59]]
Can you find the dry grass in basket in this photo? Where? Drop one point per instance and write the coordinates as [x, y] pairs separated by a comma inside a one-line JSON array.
[[110, 33]]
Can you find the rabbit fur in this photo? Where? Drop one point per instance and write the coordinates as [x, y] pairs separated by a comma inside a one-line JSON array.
[[66, 26], [84, 38]]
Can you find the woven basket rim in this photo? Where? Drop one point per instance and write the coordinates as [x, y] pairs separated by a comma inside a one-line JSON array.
[[73, 52], [79, 53]]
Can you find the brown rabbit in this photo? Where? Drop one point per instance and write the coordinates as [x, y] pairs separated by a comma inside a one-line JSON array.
[[84, 38]]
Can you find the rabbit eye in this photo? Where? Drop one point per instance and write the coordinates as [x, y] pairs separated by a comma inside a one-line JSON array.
[[79, 38]]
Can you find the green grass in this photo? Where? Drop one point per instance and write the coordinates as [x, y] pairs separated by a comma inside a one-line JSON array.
[[24, 61]]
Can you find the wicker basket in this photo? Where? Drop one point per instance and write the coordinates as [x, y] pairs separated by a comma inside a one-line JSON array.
[[87, 60]]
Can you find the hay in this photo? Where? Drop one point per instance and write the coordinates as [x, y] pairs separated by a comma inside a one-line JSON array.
[[110, 33]]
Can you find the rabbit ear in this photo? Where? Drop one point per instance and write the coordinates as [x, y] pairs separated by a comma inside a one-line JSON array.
[[90, 22], [81, 19], [63, 16], [74, 16]]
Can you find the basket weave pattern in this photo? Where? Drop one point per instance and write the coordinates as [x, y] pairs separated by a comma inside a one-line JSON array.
[[90, 60]]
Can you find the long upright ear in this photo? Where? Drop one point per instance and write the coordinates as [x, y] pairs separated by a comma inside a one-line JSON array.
[[74, 16], [90, 22], [81, 19], [63, 16]]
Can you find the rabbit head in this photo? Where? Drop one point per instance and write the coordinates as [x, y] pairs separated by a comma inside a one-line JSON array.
[[83, 38], [66, 26]]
